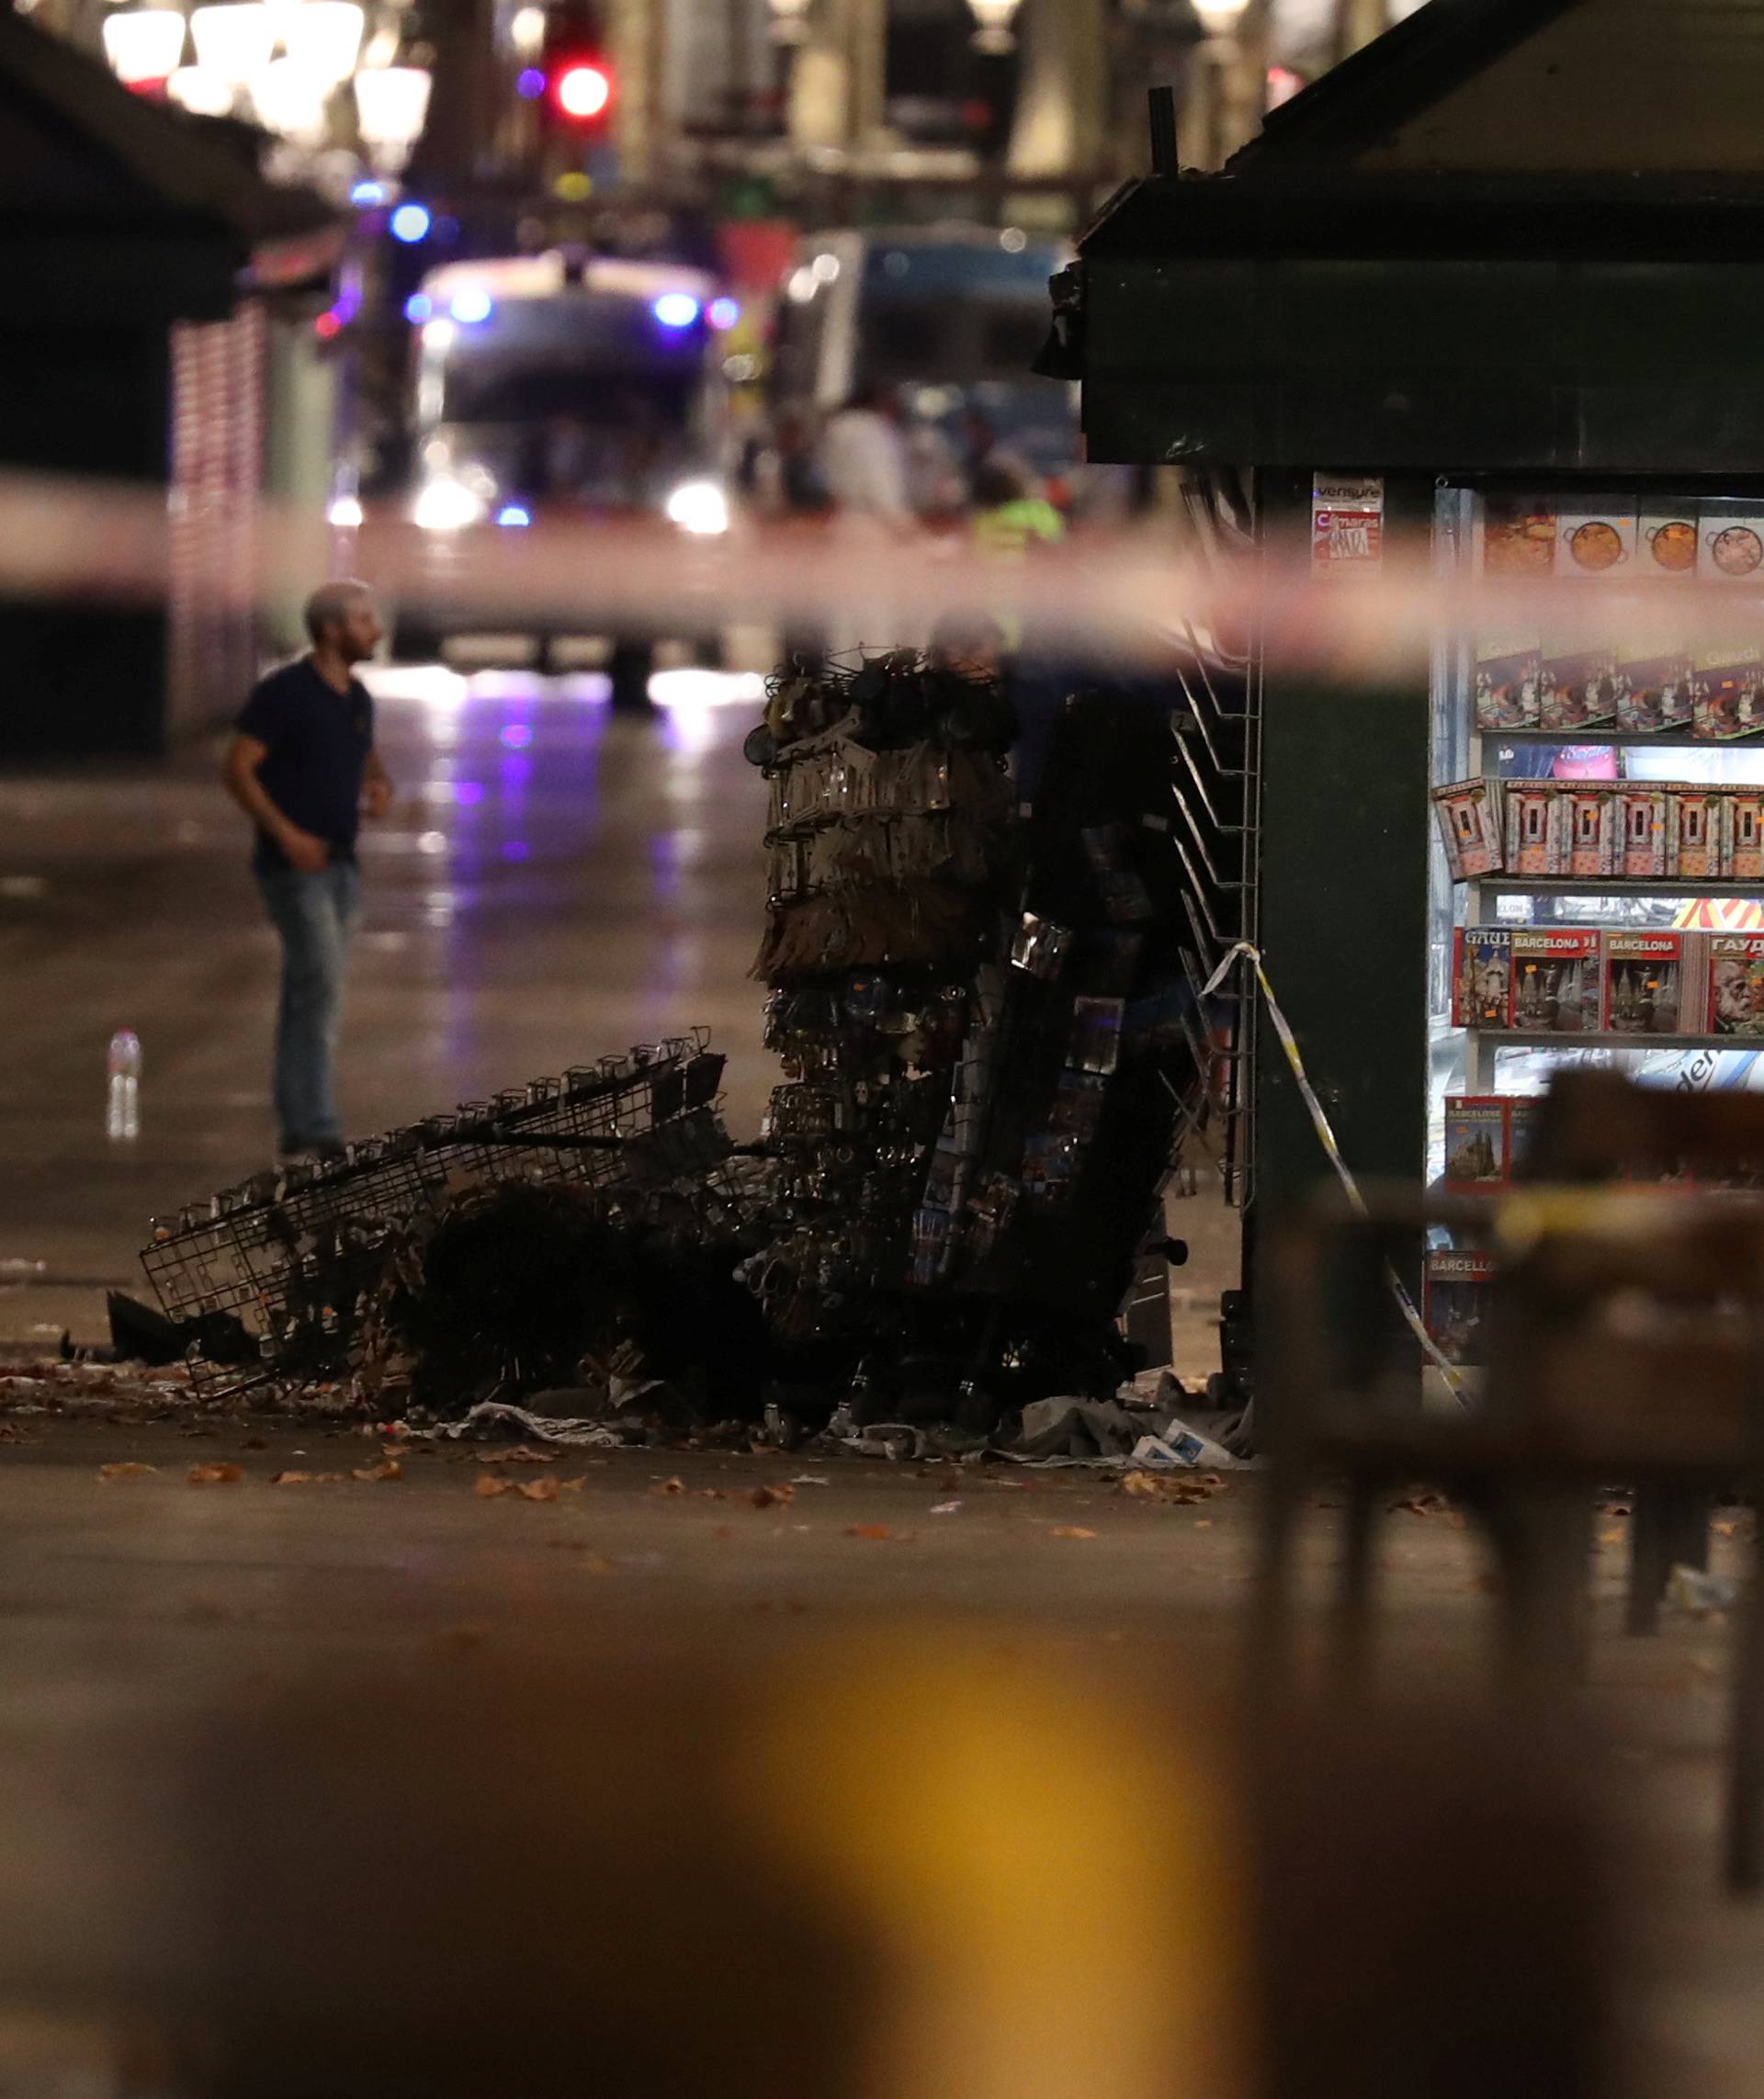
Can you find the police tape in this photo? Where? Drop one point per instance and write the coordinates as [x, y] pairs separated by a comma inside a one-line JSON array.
[[1326, 1136]]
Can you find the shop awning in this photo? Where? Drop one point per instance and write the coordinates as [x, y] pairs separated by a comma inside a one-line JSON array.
[[112, 205], [1394, 275]]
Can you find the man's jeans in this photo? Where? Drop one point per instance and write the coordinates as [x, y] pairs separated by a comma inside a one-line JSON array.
[[316, 916]]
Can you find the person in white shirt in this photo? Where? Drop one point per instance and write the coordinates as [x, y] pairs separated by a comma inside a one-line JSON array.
[[864, 464]]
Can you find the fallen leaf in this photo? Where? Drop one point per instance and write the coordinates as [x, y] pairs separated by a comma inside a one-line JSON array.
[[772, 1497], [1181, 1487], [389, 1470], [572, 1486], [126, 1471], [674, 1485], [537, 1490], [215, 1475], [1610, 1537], [945, 1507], [489, 1486], [1204, 1523], [873, 1530], [1419, 1505], [522, 1455], [1726, 1528], [712, 1494], [1070, 1531]]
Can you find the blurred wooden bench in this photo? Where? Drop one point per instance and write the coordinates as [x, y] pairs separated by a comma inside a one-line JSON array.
[[1625, 1347]]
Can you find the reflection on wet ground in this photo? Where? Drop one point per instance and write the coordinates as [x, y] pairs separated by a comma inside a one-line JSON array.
[[555, 881]]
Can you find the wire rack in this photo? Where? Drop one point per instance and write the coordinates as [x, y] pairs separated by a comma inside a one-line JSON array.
[[277, 1274]]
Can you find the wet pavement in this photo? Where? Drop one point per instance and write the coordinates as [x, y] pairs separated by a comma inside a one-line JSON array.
[[555, 883], [404, 1690]]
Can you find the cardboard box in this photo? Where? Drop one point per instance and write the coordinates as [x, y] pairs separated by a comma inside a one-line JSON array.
[[1508, 669], [1733, 1004], [1468, 812], [1576, 682], [1650, 983], [1696, 832], [1482, 978], [1653, 689], [1728, 691], [1537, 828], [1455, 1302], [1594, 833], [1744, 834], [1555, 982], [1667, 543], [1731, 546], [1595, 540], [1517, 535], [1643, 810]]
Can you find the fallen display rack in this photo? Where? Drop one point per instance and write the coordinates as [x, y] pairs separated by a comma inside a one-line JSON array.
[[272, 1278]]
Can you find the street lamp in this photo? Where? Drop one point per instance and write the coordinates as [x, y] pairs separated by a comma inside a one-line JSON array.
[[994, 18], [233, 39], [200, 90], [323, 37], [143, 44], [391, 102], [1218, 17], [789, 20], [289, 99]]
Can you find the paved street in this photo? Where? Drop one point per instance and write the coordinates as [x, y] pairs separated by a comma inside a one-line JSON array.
[[213, 1687], [555, 884]]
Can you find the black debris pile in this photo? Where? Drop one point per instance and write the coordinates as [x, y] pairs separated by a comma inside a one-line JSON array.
[[891, 823], [289, 1277], [993, 1034]]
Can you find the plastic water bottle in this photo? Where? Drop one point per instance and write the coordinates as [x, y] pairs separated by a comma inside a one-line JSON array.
[[122, 1097]]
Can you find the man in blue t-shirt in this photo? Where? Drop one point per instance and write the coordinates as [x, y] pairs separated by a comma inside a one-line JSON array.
[[303, 767]]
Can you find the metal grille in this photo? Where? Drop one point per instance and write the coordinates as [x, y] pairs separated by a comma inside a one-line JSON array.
[[293, 1257]]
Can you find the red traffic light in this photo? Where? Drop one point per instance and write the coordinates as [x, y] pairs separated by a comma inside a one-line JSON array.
[[582, 88]]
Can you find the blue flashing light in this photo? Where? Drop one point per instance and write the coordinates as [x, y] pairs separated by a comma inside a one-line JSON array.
[[676, 310], [410, 223], [471, 306], [366, 194], [529, 83], [419, 306], [513, 515], [723, 312]]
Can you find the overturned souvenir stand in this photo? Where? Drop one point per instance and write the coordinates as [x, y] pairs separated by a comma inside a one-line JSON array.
[[1482, 297]]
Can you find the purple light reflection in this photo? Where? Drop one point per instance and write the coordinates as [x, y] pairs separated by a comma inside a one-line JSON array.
[[517, 735], [517, 849]]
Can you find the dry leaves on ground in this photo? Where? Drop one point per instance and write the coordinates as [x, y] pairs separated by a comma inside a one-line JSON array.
[[522, 1455], [877, 1531], [215, 1475], [1429, 1504], [772, 1497], [1070, 1531], [674, 1485], [388, 1469], [306, 1479], [128, 1470], [1183, 1487], [489, 1487]]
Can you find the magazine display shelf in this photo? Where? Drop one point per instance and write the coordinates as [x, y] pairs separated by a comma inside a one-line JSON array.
[[1466, 522]]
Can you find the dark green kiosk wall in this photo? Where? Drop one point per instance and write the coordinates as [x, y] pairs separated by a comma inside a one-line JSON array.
[[1343, 896]]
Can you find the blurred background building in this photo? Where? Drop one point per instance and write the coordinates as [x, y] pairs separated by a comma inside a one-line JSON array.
[[319, 160]]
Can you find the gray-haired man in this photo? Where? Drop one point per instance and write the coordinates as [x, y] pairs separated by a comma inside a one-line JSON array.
[[303, 767]]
